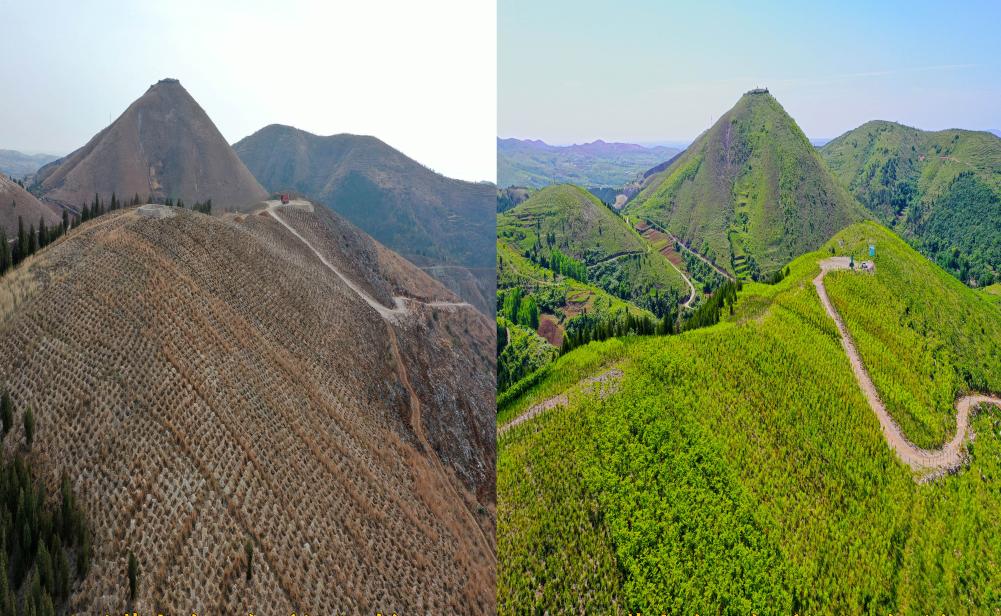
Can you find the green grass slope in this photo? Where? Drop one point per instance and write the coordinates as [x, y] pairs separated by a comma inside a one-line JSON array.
[[750, 193], [939, 190], [739, 469], [570, 219]]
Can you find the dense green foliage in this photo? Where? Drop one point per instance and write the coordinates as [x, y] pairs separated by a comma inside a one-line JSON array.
[[751, 188], [537, 165], [739, 468], [566, 229], [941, 191], [39, 538], [520, 352]]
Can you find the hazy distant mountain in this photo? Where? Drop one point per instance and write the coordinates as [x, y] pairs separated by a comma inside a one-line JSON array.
[[995, 131], [536, 164], [163, 145], [443, 225], [19, 164], [751, 192]]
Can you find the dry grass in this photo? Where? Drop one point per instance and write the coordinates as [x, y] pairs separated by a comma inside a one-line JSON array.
[[207, 381]]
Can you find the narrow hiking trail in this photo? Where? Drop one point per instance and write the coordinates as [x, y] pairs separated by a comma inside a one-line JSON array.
[[606, 384], [718, 269], [389, 314], [932, 462], [691, 287]]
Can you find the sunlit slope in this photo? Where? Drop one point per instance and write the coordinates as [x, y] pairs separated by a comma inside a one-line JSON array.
[[570, 219], [750, 193], [740, 468], [940, 190]]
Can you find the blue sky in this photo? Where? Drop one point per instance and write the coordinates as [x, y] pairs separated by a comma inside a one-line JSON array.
[[420, 77], [573, 71]]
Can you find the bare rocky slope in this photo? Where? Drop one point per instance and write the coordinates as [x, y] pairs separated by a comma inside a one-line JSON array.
[[15, 201], [444, 226], [207, 381], [165, 146]]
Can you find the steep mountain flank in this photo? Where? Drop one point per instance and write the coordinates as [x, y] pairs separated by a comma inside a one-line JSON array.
[[16, 202], [434, 221], [275, 378], [940, 190], [750, 193], [163, 146]]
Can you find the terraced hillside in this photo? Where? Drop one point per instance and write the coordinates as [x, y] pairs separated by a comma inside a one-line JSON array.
[[163, 146], [741, 468], [750, 193], [443, 225], [274, 379], [939, 190]]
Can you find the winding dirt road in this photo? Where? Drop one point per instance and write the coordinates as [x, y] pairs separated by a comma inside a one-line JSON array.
[[606, 383], [389, 314], [930, 462]]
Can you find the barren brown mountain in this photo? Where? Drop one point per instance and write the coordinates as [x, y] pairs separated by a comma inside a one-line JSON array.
[[16, 201], [165, 146], [443, 225], [276, 377]]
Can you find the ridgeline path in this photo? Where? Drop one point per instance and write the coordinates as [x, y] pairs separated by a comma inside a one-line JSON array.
[[389, 314], [930, 462]]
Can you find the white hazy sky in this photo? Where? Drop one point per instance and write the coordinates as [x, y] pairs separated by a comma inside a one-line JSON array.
[[421, 76]]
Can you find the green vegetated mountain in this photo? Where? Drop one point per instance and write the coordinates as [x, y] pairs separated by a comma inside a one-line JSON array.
[[750, 193], [442, 225], [568, 265], [739, 468], [536, 164], [164, 146], [939, 190]]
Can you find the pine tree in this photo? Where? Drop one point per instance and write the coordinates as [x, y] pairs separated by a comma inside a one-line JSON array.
[[5, 262], [32, 241], [22, 242]]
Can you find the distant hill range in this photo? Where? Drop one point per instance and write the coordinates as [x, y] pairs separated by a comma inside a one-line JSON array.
[[163, 146], [443, 225], [16, 202], [19, 165], [940, 190], [750, 193], [599, 164], [277, 380]]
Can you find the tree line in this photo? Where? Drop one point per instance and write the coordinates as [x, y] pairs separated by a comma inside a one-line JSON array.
[[40, 540], [29, 241]]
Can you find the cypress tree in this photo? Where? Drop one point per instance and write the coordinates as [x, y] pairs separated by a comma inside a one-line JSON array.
[[66, 221], [6, 413], [32, 242], [133, 576], [29, 426], [4, 252]]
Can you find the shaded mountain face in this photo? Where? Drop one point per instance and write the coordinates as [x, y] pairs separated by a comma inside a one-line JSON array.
[[16, 202], [442, 225], [750, 193], [19, 165], [274, 378], [163, 146], [598, 164], [939, 190]]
